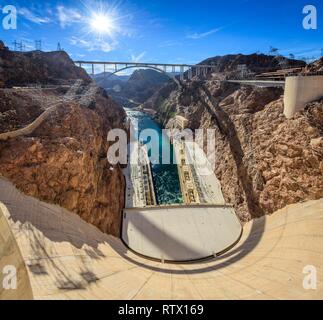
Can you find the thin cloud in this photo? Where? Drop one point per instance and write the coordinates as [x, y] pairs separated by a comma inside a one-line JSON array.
[[31, 16], [197, 35], [138, 57], [68, 16], [97, 45]]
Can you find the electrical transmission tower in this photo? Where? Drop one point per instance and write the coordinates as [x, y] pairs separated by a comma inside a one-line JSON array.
[[38, 45], [15, 44], [19, 46]]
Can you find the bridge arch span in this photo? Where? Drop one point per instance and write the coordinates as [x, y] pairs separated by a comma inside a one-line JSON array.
[[148, 67]]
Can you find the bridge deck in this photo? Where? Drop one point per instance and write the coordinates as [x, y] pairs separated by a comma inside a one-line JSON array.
[[144, 64]]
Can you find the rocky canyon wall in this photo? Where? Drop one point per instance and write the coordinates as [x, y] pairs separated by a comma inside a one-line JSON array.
[[263, 160], [63, 161]]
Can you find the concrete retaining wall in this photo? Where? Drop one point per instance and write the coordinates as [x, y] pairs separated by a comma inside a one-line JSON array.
[[10, 256], [301, 90]]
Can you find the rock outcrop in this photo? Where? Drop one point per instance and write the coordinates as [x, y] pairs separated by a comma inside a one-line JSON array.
[[35, 67], [229, 66], [63, 161], [316, 66]]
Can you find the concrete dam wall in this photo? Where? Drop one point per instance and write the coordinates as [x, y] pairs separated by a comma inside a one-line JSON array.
[[301, 90], [70, 259]]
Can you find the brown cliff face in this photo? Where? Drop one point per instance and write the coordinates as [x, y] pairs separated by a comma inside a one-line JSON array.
[[263, 160], [64, 160], [254, 62]]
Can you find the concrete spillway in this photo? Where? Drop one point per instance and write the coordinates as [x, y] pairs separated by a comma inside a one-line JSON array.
[[181, 232], [204, 227], [66, 258]]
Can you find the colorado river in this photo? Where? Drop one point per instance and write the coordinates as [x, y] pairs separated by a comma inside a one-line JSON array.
[[165, 176]]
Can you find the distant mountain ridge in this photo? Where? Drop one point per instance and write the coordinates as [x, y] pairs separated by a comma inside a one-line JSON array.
[[108, 79], [134, 89], [235, 65], [257, 63]]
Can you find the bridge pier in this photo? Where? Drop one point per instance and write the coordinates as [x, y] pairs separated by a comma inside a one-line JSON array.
[[182, 73]]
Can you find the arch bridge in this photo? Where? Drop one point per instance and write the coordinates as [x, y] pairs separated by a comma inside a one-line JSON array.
[[185, 71]]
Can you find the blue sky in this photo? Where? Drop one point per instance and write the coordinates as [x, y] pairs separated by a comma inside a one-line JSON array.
[[167, 31]]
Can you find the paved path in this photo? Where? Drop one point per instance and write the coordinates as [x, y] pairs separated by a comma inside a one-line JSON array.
[[70, 259], [83, 99]]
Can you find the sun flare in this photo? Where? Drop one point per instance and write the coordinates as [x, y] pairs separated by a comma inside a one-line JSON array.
[[101, 23]]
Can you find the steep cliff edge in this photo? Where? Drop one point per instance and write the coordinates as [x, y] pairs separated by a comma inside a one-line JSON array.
[[64, 160], [263, 160]]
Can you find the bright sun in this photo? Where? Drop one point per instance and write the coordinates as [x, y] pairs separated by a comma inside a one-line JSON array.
[[101, 23]]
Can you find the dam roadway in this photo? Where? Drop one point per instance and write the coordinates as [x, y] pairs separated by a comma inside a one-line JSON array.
[[59, 256]]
